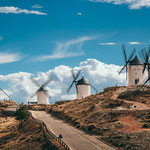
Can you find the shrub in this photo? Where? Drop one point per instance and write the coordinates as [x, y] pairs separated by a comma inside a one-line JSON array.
[[22, 113]]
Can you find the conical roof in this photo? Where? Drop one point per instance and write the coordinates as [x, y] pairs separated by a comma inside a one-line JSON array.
[[135, 61], [82, 81]]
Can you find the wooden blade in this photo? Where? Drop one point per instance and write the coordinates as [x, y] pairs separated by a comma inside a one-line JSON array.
[[144, 67], [35, 82], [126, 72], [70, 86], [144, 53], [6, 94], [47, 82], [73, 75], [74, 81], [142, 56], [124, 53], [146, 81], [77, 75], [76, 88], [94, 88], [125, 66], [34, 94], [131, 55]]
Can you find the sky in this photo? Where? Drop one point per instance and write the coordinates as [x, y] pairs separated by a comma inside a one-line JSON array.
[[46, 38]]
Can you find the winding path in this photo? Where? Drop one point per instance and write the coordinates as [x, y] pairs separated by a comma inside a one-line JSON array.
[[73, 137]]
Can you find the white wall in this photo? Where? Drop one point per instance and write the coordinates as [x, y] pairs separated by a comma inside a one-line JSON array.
[[135, 72], [83, 91], [42, 98]]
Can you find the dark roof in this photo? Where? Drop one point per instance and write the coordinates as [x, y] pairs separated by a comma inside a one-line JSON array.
[[135, 61], [82, 81]]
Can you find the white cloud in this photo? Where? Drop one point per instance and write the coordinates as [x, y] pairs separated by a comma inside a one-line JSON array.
[[98, 74], [134, 43], [107, 43], [9, 57], [16, 10], [66, 49], [133, 4], [79, 14], [37, 6]]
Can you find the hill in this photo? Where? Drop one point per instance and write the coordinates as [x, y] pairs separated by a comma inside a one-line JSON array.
[[119, 116], [26, 134]]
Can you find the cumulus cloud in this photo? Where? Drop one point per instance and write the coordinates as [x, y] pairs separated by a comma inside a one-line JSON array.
[[71, 48], [9, 57], [98, 74], [79, 14], [134, 43], [133, 4], [16, 10], [37, 6], [107, 43]]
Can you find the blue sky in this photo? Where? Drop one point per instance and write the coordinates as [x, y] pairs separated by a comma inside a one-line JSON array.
[[40, 36], [31, 35]]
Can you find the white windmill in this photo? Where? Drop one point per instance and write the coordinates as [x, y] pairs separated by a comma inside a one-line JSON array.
[[134, 68], [82, 86], [41, 93]]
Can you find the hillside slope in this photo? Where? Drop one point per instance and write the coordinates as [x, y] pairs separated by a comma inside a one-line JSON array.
[[113, 115], [27, 134]]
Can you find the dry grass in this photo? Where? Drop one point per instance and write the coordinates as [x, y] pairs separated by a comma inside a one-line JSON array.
[[25, 135], [98, 114]]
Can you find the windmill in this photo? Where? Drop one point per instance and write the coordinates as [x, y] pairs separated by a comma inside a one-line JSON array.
[[42, 93], [82, 86], [6, 94], [145, 57], [127, 60], [134, 68]]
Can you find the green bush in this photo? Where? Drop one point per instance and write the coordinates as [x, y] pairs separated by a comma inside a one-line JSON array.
[[22, 113]]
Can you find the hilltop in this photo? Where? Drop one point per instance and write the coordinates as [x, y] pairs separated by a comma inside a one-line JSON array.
[[119, 116]]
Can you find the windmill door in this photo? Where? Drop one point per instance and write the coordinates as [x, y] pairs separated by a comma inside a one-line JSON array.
[[136, 81]]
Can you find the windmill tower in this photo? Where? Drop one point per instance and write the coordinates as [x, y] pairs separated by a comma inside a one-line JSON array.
[[82, 86], [134, 68], [135, 72], [41, 93]]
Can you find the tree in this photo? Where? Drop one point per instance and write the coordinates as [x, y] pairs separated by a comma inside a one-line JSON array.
[[22, 113]]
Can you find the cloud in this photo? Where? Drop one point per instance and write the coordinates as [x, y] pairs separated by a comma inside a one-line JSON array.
[[99, 74], [133, 4], [16, 10], [134, 43], [9, 57], [79, 14], [71, 48], [37, 6], [107, 43]]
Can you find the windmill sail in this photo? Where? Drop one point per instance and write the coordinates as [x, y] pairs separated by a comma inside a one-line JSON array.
[[127, 61], [6, 94]]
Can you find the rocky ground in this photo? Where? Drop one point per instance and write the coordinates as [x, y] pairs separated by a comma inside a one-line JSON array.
[[111, 116]]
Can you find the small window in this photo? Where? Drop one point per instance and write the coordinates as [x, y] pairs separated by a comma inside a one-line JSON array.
[[136, 81]]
